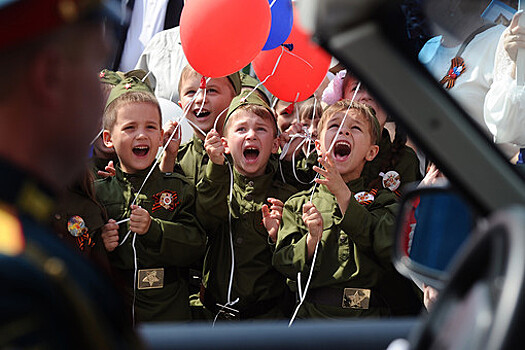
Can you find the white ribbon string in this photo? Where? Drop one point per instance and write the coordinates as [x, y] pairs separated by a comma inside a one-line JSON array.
[[270, 75], [204, 96], [229, 302], [157, 158], [303, 296], [96, 137]]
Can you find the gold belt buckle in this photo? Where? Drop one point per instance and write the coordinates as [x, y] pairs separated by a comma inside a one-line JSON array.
[[356, 298], [150, 279]]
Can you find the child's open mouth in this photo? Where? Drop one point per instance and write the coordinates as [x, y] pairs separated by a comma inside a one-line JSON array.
[[251, 154], [202, 114], [141, 151], [342, 150]]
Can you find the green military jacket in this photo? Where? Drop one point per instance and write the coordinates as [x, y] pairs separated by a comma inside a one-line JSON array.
[[300, 175], [174, 240], [192, 159], [261, 290], [76, 219], [354, 251], [406, 164]]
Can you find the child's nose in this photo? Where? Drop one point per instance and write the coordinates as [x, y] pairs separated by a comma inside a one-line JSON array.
[[199, 98], [344, 132], [251, 133]]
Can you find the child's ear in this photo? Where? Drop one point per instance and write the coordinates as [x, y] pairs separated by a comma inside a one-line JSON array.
[[161, 136], [225, 144], [106, 136], [275, 145], [372, 153]]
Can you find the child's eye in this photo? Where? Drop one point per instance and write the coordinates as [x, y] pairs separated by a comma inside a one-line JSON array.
[[357, 128], [128, 127], [189, 92], [261, 129], [154, 127], [212, 90], [333, 126], [241, 129]]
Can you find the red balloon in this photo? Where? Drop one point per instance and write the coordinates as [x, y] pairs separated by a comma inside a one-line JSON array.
[[301, 69], [220, 37]]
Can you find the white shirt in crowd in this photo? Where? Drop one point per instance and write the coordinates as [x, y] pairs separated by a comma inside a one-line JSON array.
[[147, 19], [471, 87], [505, 102], [164, 59]]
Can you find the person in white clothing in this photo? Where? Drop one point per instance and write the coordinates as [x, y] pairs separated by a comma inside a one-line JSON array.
[[164, 59], [505, 102], [470, 77]]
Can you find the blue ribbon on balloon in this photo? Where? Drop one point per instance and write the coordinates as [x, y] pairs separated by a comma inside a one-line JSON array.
[[282, 20]]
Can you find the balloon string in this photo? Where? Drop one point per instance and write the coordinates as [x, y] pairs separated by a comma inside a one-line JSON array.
[[218, 117], [184, 115], [203, 88], [344, 118], [146, 76], [273, 2], [270, 75], [302, 59], [96, 137], [297, 109]]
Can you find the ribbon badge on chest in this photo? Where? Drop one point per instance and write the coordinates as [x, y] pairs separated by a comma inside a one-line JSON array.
[[166, 199], [364, 197], [457, 67], [391, 180], [76, 226]]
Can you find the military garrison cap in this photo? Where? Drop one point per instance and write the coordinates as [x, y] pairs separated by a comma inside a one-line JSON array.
[[130, 84], [247, 98], [235, 79], [110, 77], [250, 82]]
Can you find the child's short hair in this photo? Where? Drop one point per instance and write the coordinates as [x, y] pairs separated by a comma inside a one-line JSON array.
[[344, 105], [234, 79], [307, 108], [110, 114], [260, 111]]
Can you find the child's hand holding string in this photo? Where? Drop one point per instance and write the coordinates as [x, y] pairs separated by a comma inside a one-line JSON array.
[[110, 235], [170, 128], [214, 147], [169, 157], [139, 220], [272, 217], [333, 180], [314, 223], [285, 137]]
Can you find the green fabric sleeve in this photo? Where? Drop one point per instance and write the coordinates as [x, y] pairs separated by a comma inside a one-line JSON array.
[[212, 197], [291, 251]]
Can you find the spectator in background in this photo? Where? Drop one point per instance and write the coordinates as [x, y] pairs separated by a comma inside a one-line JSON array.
[[146, 19]]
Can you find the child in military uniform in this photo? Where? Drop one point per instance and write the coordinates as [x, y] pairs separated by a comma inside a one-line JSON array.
[[162, 238], [239, 279], [396, 163], [353, 227], [191, 158], [203, 110]]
